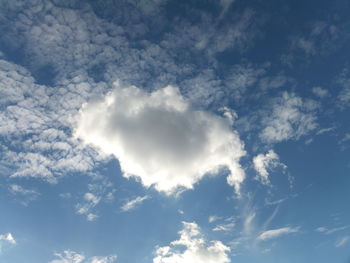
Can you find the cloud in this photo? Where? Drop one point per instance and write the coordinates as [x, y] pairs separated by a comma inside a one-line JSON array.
[[320, 92], [225, 5], [342, 241], [69, 256], [196, 248], [306, 45], [321, 38], [263, 162], [158, 138], [107, 259], [332, 230], [35, 126], [325, 130], [26, 195], [132, 204], [321, 229], [274, 233], [224, 227], [212, 219], [242, 77], [78, 45], [290, 118], [344, 81], [90, 201], [8, 238]]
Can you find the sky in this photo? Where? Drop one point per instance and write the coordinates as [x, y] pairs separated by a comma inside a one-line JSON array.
[[174, 131]]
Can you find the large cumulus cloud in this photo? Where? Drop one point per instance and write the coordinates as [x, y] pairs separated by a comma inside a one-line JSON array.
[[160, 139]]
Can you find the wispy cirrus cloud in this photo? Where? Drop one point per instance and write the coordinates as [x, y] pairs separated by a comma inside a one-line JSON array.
[[328, 231], [132, 204], [342, 241], [275, 233]]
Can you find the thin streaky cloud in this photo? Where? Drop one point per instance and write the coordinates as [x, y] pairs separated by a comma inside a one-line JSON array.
[[132, 204]]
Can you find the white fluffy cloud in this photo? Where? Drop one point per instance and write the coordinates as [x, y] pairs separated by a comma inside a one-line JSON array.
[[197, 250], [274, 233], [160, 139], [263, 162]]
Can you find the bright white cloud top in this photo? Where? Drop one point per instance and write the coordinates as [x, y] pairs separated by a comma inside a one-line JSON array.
[[197, 249], [159, 138]]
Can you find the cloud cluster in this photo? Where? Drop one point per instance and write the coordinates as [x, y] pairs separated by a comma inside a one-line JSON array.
[[158, 138], [90, 201], [197, 249], [35, 125], [69, 256], [71, 40], [84, 53]]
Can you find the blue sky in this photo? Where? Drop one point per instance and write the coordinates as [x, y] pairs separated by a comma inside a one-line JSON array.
[[174, 131]]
